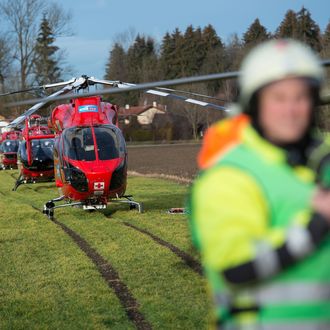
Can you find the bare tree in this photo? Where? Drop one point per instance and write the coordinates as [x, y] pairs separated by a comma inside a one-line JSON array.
[[5, 60], [59, 20], [23, 18], [125, 38]]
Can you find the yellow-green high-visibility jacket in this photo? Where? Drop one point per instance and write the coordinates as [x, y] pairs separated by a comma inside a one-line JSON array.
[[265, 252]]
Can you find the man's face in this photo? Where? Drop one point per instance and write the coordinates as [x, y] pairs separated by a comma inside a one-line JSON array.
[[285, 110]]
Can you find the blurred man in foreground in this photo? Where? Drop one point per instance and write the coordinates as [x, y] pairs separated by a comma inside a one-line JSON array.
[[258, 216]]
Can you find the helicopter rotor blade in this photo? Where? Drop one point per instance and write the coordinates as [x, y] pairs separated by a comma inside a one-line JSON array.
[[34, 88], [146, 86], [137, 87], [158, 92], [19, 91], [72, 85], [104, 82], [191, 93], [326, 63], [185, 99], [59, 84]]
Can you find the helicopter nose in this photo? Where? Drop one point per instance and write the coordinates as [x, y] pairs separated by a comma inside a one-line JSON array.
[[99, 185]]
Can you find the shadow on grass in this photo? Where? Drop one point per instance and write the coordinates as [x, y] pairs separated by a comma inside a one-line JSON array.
[[44, 186], [10, 240]]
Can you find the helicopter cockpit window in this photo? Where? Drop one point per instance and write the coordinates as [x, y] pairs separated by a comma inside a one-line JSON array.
[[79, 144], [107, 143], [10, 146], [41, 149]]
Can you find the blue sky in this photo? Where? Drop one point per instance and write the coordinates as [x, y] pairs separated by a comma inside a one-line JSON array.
[[98, 23]]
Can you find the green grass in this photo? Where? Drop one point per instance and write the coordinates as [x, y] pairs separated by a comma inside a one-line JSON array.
[[47, 282]]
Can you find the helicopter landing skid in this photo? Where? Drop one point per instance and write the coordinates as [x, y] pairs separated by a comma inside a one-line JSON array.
[[50, 206], [21, 180], [18, 182], [133, 205]]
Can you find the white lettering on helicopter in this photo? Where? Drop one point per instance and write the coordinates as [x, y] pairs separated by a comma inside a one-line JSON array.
[[88, 108]]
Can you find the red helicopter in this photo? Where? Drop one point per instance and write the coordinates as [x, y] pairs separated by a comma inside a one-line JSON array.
[[9, 142], [35, 153], [90, 157]]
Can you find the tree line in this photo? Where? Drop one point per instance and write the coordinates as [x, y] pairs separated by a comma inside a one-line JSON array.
[[29, 54], [198, 51]]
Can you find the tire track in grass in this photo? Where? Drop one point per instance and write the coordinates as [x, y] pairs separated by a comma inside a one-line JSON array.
[[111, 277], [186, 258]]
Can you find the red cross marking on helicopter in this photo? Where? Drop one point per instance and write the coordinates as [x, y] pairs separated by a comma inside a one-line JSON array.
[[99, 185]]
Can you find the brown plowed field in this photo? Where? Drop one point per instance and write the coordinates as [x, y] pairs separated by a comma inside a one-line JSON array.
[[169, 159]]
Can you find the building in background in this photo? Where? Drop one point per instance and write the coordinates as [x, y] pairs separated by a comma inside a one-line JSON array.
[[153, 122]]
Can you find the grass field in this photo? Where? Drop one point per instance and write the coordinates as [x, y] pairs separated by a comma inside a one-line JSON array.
[[118, 269]]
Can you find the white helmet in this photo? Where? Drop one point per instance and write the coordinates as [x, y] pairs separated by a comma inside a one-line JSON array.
[[275, 60]]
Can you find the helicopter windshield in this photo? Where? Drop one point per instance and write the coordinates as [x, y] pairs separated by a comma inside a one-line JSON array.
[[79, 143], [9, 146], [107, 143], [41, 149]]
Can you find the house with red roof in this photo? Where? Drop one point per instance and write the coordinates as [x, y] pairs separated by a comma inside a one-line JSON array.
[[144, 115]]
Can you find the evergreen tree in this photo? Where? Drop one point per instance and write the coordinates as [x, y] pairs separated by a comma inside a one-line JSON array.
[[46, 66], [289, 26], [308, 31], [116, 69], [142, 63], [326, 37], [233, 53], [210, 38], [141, 60], [171, 55], [193, 51], [214, 59], [167, 52], [255, 34], [116, 65], [326, 44]]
